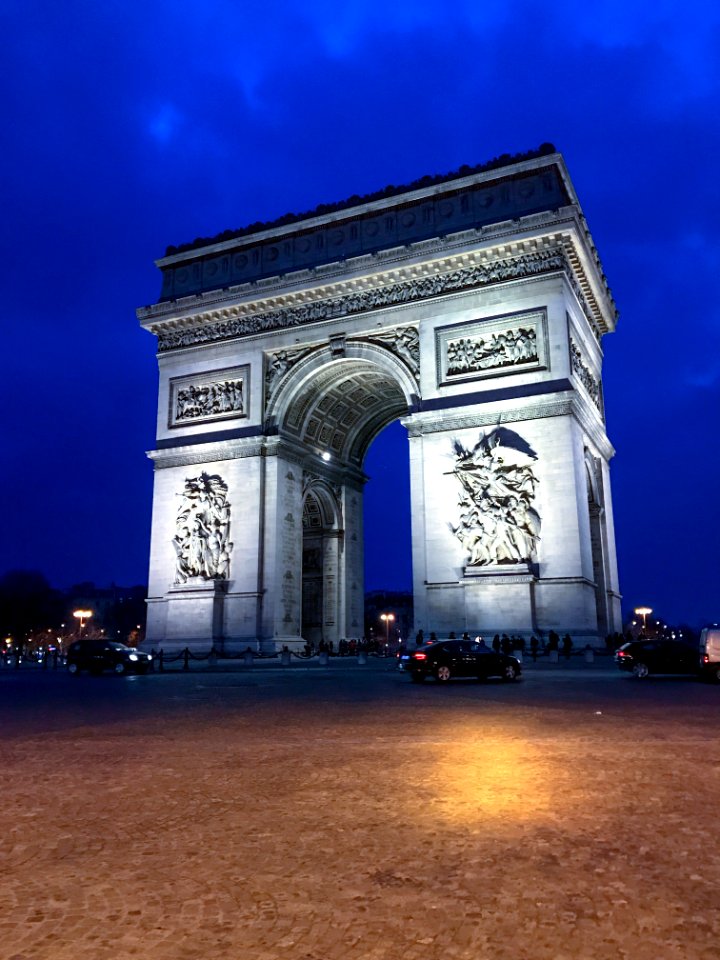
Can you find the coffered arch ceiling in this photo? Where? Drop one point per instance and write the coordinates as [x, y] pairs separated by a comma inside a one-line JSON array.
[[341, 408]]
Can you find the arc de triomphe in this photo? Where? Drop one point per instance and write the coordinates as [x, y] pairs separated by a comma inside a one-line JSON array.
[[472, 307]]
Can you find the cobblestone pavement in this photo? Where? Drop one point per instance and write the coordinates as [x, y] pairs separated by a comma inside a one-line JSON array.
[[342, 818]]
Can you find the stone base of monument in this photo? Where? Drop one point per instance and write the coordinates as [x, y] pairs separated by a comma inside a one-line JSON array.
[[195, 615], [499, 598]]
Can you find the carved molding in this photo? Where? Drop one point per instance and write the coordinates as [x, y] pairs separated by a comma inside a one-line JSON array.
[[420, 424], [390, 294]]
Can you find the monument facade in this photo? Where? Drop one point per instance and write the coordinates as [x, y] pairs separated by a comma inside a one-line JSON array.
[[472, 307]]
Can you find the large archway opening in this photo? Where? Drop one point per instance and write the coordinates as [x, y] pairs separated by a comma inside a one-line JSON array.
[[333, 408]]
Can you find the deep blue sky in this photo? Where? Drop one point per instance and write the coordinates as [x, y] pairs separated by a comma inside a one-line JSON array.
[[129, 126]]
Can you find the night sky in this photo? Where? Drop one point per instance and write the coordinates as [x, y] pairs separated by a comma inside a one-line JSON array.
[[130, 126]]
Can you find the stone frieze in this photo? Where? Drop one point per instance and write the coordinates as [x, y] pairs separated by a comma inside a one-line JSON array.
[[582, 372], [199, 398], [391, 294]]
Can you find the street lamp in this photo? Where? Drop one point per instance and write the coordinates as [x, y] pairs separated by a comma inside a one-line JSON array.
[[643, 612], [388, 619], [82, 616]]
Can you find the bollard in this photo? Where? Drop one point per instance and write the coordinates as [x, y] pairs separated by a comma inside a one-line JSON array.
[[362, 658], [212, 657], [589, 654], [323, 658], [248, 657], [161, 661], [554, 656], [186, 659], [285, 658]]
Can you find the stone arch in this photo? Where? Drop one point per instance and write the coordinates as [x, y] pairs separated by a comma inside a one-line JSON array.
[[321, 573], [339, 397]]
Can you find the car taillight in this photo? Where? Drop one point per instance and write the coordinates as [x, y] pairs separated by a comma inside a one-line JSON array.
[[621, 653], [706, 658], [419, 656]]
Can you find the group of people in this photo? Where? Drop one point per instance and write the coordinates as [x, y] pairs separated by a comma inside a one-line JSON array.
[[509, 644], [345, 648]]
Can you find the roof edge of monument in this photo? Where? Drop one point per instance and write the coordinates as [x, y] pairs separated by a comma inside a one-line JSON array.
[[386, 193]]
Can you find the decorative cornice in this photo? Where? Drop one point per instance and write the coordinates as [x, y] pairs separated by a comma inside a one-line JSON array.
[[184, 456], [431, 283], [419, 424]]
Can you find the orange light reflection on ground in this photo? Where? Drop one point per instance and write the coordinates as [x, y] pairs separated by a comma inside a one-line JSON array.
[[484, 778]]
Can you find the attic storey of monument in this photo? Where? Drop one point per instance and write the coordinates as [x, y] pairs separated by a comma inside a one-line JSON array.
[[472, 307]]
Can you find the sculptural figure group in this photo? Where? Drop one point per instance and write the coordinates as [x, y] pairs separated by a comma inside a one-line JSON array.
[[498, 521], [202, 530], [504, 348], [209, 399]]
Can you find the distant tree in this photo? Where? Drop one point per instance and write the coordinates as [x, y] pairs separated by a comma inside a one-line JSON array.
[[28, 603]]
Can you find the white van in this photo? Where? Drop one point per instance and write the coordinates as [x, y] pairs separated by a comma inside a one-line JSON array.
[[710, 651]]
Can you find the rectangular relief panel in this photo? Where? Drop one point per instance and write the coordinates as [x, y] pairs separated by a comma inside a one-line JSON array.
[[498, 346], [204, 397]]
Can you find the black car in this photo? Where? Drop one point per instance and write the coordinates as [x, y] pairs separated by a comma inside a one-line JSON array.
[[97, 656], [644, 657], [458, 658]]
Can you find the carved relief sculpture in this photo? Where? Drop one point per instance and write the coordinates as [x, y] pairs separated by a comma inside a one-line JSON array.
[[219, 395], [582, 372], [202, 530], [498, 520], [391, 294], [209, 400], [511, 347], [403, 341]]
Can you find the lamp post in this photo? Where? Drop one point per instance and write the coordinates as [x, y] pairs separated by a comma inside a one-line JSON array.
[[387, 618], [643, 612], [82, 616]]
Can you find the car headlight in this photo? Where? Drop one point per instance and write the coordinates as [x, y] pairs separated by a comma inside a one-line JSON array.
[[133, 656]]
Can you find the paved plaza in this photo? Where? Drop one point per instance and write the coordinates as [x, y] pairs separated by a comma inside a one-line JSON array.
[[346, 814]]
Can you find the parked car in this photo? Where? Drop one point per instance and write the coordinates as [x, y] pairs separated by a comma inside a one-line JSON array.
[[645, 657], [97, 656], [710, 652], [458, 658]]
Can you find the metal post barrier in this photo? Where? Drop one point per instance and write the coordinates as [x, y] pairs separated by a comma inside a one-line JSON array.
[[589, 654], [186, 659], [248, 657], [554, 656], [285, 657], [161, 660], [362, 658], [323, 658]]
